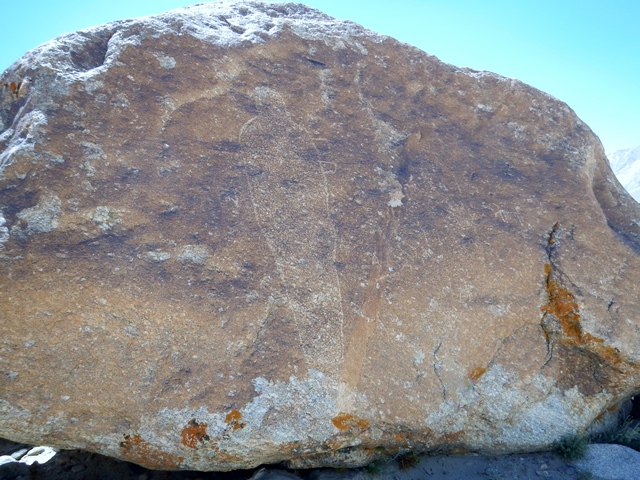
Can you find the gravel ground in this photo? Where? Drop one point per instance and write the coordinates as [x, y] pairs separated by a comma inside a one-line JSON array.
[[79, 465]]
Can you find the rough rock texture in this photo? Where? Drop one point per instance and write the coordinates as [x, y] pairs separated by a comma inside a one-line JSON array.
[[246, 233], [610, 462]]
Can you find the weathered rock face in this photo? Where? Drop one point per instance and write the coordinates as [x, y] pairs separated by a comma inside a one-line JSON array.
[[249, 233]]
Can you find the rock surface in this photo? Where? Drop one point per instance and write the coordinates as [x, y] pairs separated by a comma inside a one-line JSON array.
[[610, 462], [237, 234]]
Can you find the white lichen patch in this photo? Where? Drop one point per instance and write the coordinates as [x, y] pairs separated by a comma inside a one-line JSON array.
[[498, 310], [281, 413], [155, 257], [241, 21], [92, 153], [4, 231], [196, 254], [418, 358], [225, 23], [42, 218], [396, 198], [387, 136], [519, 131], [485, 108], [389, 184], [266, 95], [13, 412], [22, 137], [327, 90], [120, 101], [92, 85], [105, 217], [529, 418], [166, 61]]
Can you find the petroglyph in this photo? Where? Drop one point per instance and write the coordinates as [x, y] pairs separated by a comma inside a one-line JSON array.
[[289, 188]]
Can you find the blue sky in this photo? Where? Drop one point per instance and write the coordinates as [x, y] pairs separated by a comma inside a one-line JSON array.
[[584, 52]]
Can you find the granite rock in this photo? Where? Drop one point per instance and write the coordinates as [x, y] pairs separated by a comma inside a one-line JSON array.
[[245, 233]]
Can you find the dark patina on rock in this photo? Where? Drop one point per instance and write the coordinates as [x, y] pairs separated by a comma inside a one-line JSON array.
[[245, 233]]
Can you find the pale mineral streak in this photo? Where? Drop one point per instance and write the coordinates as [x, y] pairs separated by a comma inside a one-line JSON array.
[[244, 232]]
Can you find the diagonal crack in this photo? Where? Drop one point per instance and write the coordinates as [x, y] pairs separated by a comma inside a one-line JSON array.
[[561, 315], [436, 368], [548, 326]]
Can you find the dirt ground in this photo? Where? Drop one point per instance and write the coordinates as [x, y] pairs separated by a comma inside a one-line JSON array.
[[79, 465]]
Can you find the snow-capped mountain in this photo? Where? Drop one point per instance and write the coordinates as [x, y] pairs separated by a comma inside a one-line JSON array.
[[626, 165]]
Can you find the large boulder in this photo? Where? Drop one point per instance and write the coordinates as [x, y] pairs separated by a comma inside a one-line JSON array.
[[246, 233]]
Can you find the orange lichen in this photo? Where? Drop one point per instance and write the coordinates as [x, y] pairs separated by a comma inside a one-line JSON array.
[[590, 338], [401, 439], [228, 457], [234, 420], [346, 421], [290, 447], [139, 451], [476, 373], [223, 456], [336, 444], [451, 437], [562, 305], [13, 86], [193, 433], [607, 352]]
